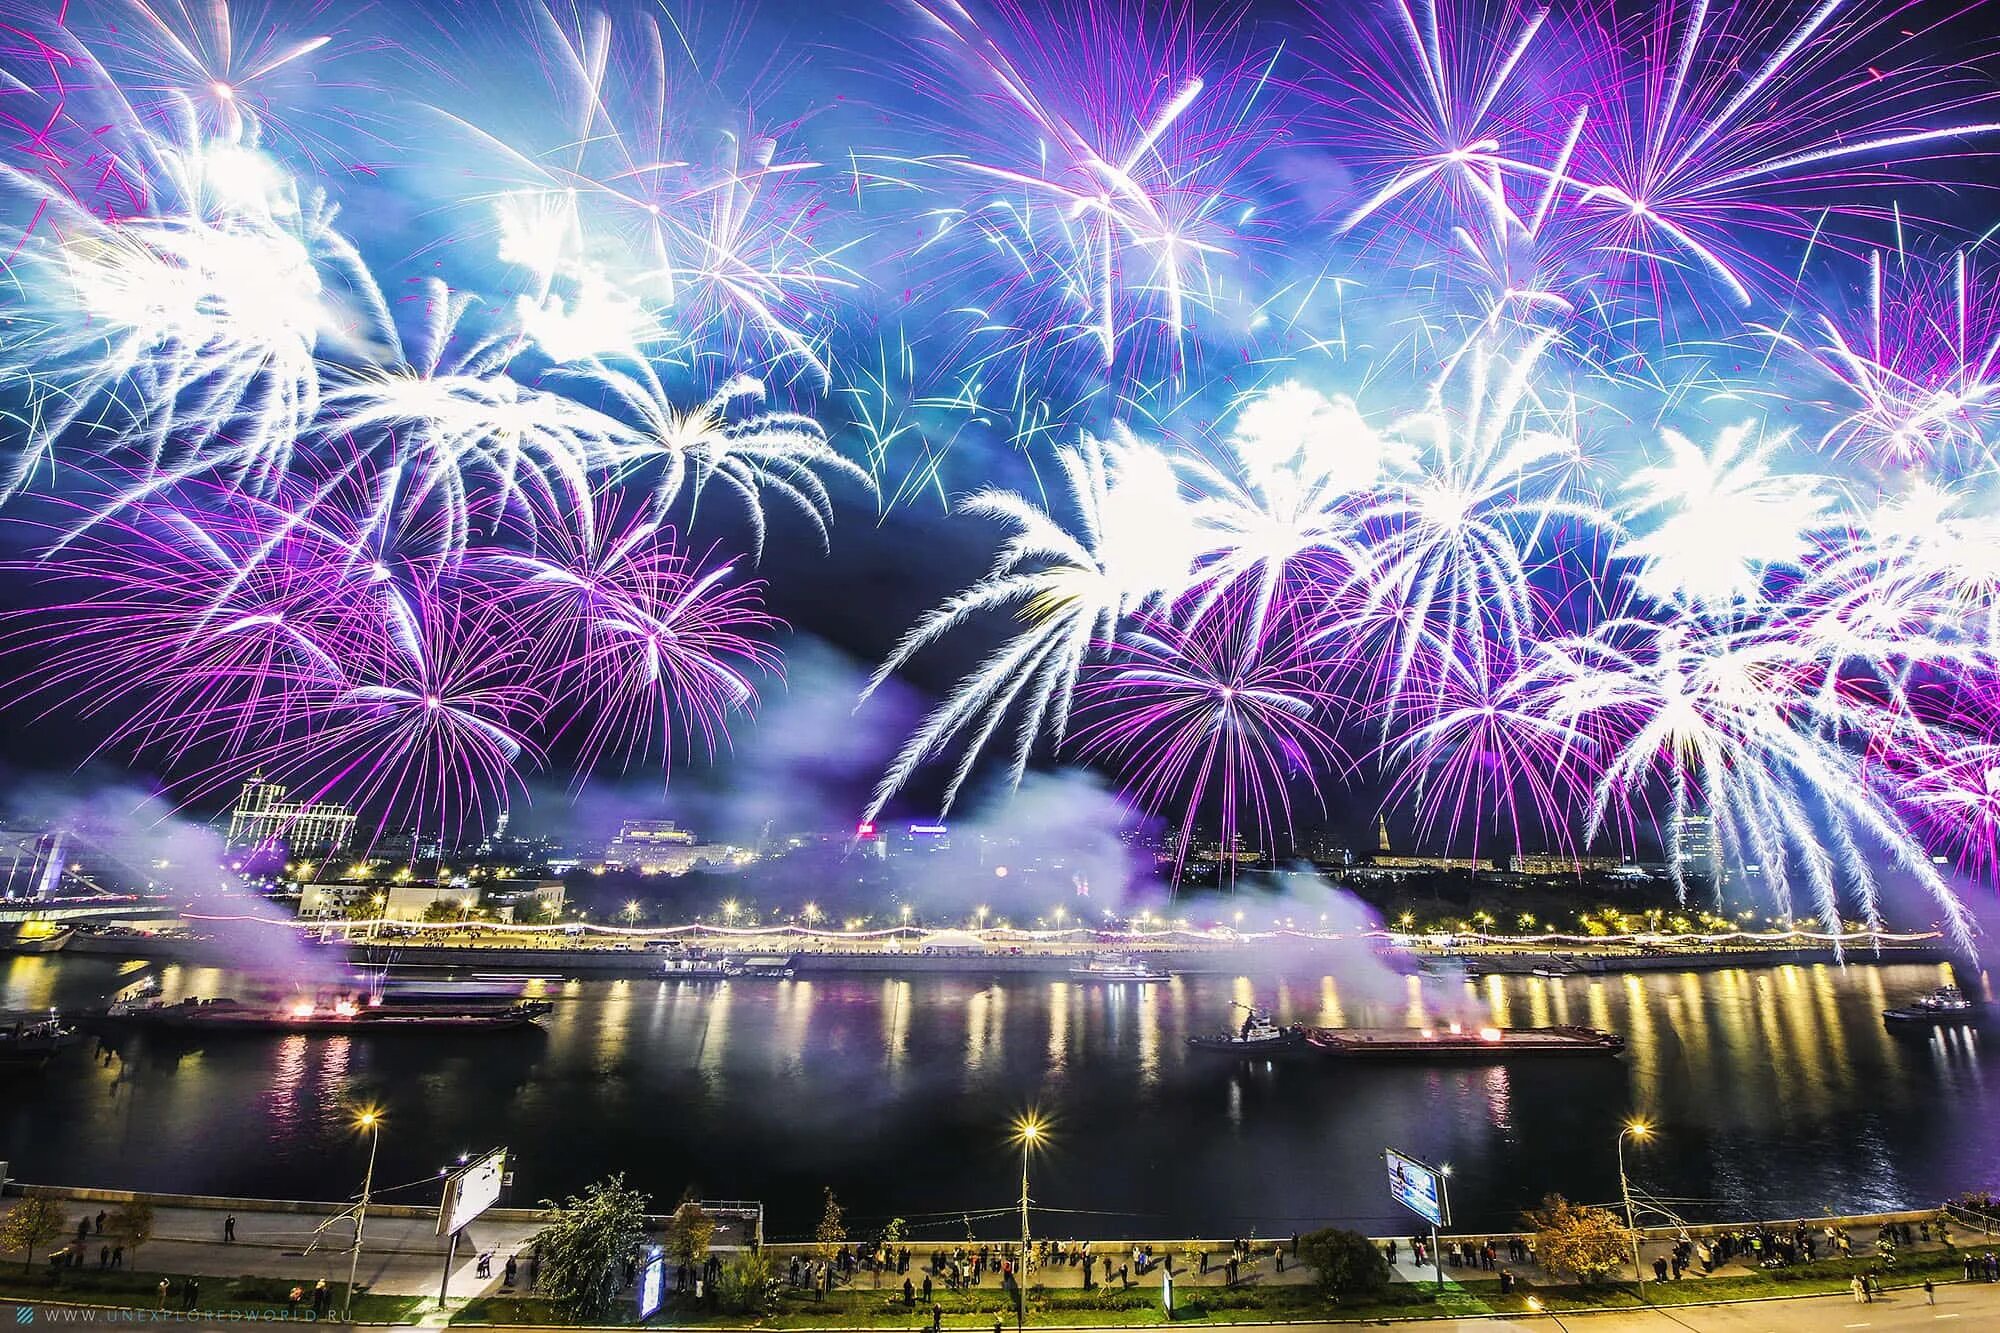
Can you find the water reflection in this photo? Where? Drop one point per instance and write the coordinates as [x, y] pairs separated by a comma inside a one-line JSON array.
[[1781, 1086]]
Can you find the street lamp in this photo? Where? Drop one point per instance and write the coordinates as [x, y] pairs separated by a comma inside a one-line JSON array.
[[1535, 1304], [370, 1119], [1641, 1131], [1028, 1131]]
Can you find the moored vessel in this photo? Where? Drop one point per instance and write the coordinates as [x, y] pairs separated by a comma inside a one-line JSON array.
[[1945, 1005], [1256, 1035], [1454, 1042], [346, 1015], [33, 1042], [1118, 967]]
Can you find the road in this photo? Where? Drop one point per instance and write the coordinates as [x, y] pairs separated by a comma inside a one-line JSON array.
[[1966, 1306]]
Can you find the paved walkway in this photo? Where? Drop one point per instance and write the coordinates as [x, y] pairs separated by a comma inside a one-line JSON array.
[[406, 1256], [1960, 1306]]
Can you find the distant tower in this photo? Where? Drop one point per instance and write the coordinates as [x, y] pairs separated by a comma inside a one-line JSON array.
[[1382, 833]]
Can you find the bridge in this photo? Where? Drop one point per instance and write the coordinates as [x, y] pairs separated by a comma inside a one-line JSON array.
[[18, 911]]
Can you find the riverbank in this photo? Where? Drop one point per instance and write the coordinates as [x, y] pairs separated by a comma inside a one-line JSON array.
[[274, 1245], [595, 957]]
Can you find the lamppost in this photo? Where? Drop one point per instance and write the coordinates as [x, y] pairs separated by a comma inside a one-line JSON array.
[[1640, 1130], [370, 1119], [1028, 1133], [1535, 1304]]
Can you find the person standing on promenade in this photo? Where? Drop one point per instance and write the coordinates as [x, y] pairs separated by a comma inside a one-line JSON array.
[[229, 1228], [1930, 1292]]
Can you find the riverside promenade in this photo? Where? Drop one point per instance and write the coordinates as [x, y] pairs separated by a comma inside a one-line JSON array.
[[402, 1253]]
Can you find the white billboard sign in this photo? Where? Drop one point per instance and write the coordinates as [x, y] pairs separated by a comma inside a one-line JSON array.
[[471, 1190]]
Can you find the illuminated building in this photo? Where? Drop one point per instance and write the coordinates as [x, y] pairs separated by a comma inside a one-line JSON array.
[[1693, 849], [928, 838], [1385, 859], [264, 817], [645, 845], [1547, 864]]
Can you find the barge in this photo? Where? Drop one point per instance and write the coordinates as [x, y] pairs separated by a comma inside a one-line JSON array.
[[341, 1017], [1452, 1042]]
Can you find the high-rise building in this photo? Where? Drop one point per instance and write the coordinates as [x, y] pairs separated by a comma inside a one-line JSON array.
[[264, 816], [1692, 847], [643, 844]]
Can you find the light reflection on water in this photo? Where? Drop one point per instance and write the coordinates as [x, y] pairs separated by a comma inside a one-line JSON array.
[[1780, 1089]]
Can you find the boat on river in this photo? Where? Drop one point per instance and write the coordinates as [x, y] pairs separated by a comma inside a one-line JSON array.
[[699, 967], [1257, 1035], [1456, 1043], [338, 1016], [1118, 967], [32, 1043], [1944, 1006]]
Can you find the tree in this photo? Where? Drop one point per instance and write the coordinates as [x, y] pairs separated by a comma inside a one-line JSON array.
[[885, 1249], [749, 1283], [444, 909], [586, 1240], [1585, 1242], [31, 1224], [131, 1225], [831, 1233], [1346, 1263], [689, 1232]]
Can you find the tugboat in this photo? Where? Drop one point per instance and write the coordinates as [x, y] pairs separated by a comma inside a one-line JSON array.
[[1258, 1035], [1118, 967], [33, 1043], [1946, 1004]]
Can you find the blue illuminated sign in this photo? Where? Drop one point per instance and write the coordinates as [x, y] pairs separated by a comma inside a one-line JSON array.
[[1417, 1187]]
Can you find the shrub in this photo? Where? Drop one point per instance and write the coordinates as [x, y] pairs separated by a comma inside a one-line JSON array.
[[1345, 1263]]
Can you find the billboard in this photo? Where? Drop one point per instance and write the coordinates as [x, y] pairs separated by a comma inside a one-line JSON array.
[[652, 1284], [1418, 1187], [471, 1190]]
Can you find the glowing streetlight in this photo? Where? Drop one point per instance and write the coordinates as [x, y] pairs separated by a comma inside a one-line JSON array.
[[980, 912], [810, 912], [729, 911], [1029, 1130], [631, 912], [1641, 1131], [369, 1119]]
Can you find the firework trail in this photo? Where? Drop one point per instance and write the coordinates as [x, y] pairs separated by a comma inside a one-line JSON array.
[[1136, 543], [641, 639], [1918, 367], [1322, 381], [1108, 186], [1214, 715]]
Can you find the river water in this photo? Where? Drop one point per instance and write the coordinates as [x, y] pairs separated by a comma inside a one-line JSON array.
[[1778, 1092]]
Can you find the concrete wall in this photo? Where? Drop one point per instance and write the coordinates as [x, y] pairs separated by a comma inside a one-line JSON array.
[[525, 1216]]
